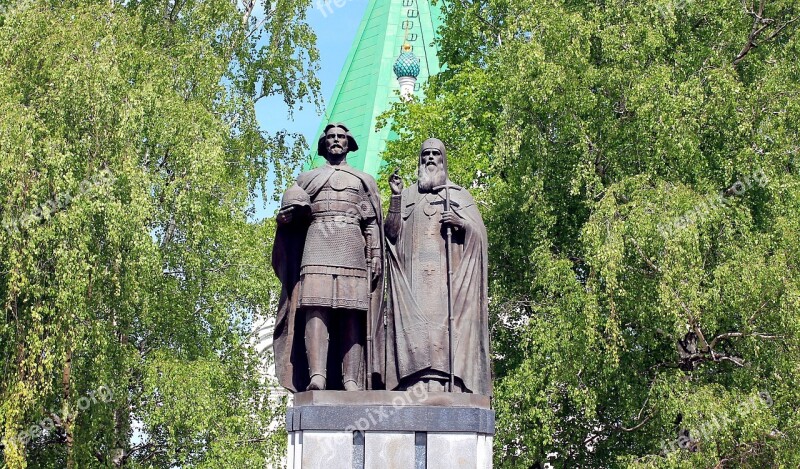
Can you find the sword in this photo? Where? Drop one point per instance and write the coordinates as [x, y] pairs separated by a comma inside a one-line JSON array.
[[448, 249]]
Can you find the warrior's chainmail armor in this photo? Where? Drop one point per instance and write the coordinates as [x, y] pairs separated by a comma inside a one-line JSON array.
[[334, 266]]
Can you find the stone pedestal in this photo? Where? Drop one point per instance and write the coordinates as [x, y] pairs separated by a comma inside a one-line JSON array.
[[389, 430]]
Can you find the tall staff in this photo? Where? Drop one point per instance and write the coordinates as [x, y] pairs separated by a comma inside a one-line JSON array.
[[448, 246], [369, 310]]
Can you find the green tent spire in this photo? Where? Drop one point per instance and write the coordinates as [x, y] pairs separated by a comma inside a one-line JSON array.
[[367, 85]]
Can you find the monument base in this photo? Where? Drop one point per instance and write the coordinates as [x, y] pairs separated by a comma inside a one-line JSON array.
[[413, 429]]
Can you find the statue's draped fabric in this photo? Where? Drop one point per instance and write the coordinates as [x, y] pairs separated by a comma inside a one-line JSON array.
[[417, 330], [322, 262]]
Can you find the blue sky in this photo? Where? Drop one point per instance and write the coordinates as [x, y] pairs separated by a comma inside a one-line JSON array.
[[335, 28]]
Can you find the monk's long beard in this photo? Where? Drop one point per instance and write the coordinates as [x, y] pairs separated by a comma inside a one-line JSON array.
[[430, 177]]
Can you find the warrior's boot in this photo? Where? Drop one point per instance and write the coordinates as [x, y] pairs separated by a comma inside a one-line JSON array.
[[353, 359], [351, 367], [317, 341]]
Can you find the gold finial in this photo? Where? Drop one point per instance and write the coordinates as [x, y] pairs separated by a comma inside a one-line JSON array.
[[406, 46]]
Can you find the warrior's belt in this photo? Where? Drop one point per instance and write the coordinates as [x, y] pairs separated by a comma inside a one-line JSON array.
[[338, 218]]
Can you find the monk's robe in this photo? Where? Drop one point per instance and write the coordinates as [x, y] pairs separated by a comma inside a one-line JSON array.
[[417, 345]]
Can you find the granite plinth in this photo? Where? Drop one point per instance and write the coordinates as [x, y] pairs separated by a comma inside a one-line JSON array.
[[390, 418], [389, 450], [452, 451], [389, 429], [382, 398]]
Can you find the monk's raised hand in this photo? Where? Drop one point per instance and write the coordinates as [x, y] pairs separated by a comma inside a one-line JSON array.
[[396, 182], [452, 220]]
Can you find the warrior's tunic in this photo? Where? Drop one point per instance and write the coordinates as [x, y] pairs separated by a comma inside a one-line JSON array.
[[334, 268]]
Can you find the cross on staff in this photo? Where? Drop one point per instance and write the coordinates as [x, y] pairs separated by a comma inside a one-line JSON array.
[[447, 187]]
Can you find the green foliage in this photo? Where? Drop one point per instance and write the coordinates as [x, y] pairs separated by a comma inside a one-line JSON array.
[[147, 281], [604, 141]]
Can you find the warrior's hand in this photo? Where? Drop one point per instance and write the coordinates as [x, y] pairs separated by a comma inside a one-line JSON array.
[[396, 182], [377, 268], [285, 215], [450, 219]]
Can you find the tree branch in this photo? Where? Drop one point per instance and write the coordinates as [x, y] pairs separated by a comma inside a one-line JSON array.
[[644, 257], [731, 335], [760, 24], [693, 322], [248, 10], [641, 411], [640, 425]]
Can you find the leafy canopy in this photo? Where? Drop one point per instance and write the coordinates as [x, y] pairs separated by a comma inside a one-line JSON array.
[[637, 166], [130, 160]]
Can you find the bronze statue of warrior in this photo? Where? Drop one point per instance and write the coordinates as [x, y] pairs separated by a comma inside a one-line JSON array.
[[329, 241], [436, 244]]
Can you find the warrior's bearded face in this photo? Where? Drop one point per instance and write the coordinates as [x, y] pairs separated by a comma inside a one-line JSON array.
[[432, 172], [336, 142]]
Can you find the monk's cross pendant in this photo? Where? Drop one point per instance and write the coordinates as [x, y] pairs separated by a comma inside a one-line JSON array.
[[429, 208]]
